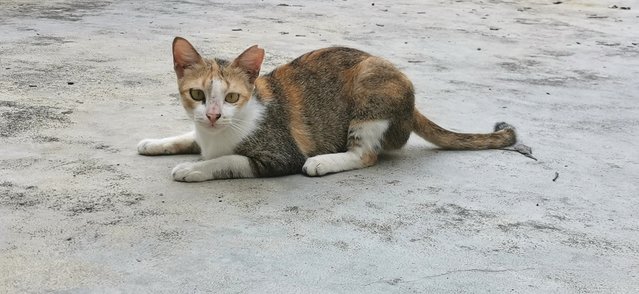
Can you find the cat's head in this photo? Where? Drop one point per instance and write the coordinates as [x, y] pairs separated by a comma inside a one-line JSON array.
[[215, 92]]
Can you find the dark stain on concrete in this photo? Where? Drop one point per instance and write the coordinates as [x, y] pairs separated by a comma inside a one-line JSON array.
[[16, 118]]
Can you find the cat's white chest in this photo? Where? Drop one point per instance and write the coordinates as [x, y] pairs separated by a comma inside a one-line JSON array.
[[214, 144]]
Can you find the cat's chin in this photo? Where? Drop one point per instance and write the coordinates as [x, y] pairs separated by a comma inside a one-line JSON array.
[[211, 128]]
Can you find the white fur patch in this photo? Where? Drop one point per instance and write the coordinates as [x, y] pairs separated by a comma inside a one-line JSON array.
[[218, 88], [230, 129], [370, 138]]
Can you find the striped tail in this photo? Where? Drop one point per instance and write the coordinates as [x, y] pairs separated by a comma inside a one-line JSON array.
[[503, 136]]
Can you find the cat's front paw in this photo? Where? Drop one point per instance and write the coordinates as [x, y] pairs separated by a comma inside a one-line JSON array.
[[315, 167], [152, 147], [189, 172]]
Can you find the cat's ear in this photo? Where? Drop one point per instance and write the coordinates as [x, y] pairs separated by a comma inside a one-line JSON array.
[[250, 61], [184, 56]]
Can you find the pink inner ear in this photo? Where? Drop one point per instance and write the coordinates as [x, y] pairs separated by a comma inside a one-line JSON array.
[[251, 61], [184, 55]]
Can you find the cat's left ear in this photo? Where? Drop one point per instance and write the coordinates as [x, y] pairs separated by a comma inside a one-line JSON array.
[[250, 61]]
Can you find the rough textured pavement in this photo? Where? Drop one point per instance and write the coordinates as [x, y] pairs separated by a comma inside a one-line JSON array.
[[81, 82]]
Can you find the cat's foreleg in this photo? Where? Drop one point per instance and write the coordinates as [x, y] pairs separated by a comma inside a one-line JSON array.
[[364, 144], [225, 167], [182, 144]]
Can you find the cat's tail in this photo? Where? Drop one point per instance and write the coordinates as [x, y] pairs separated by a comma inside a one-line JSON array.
[[503, 136]]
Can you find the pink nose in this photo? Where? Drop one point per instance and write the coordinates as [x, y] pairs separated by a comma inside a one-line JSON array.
[[213, 117]]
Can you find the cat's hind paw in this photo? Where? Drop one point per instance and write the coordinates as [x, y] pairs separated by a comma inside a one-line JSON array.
[[189, 172]]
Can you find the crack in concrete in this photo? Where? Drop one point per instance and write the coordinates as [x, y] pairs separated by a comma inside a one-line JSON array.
[[396, 281]]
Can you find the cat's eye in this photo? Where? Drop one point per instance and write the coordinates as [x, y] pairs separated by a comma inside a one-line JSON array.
[[196, 94], [232, 97]]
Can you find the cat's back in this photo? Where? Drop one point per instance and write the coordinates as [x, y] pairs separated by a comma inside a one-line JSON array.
[[327, 64], [329, 76], [314, 81], [332, 57]]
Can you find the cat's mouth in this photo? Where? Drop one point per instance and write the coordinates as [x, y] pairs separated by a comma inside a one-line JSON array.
[[213, 126]]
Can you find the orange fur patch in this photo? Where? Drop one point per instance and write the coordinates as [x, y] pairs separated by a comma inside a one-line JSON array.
[[299, 130], [266, 94]]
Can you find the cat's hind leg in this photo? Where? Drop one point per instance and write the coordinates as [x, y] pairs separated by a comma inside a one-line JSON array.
[[364, 144], [182, 144]]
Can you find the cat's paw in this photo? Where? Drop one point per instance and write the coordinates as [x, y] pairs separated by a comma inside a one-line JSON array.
[[151, 147], [315, 167], [189, 172]]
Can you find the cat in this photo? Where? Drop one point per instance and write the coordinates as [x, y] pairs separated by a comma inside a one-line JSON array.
[[330, 110]]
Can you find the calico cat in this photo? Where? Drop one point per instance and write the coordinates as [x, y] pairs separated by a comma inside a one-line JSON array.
[[329, 110]]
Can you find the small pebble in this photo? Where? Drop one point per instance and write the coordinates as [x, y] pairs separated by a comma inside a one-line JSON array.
[[70, 83]]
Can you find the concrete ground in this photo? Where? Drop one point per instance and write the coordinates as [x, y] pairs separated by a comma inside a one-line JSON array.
[[81, 82]]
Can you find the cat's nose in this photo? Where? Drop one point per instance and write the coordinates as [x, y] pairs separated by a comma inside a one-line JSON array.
[[213, 117]]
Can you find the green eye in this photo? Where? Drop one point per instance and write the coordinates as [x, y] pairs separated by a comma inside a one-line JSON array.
[[196, 94], [232, 97]]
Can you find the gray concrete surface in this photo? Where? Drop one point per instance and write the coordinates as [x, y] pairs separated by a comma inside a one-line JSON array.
[[81, 212]]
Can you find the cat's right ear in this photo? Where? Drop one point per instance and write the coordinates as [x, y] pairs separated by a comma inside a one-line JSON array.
[[184, 56]]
